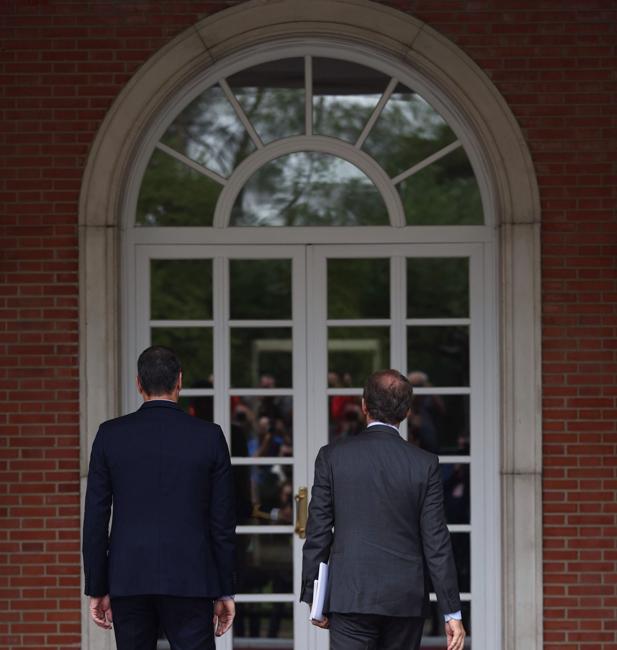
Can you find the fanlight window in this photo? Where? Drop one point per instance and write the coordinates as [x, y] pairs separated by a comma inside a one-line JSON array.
[[361, 114]]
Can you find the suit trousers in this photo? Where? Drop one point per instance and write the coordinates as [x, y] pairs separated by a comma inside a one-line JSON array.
[[374, 632], [187, 622]]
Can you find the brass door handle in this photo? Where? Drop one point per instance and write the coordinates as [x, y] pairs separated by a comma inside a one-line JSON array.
[[301, 512]]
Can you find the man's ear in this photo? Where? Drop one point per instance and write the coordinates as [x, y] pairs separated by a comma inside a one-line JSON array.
[[363, 408], [179, 384], [140, 389]]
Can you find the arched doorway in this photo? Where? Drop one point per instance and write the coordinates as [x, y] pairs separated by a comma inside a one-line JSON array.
[[415, 226]]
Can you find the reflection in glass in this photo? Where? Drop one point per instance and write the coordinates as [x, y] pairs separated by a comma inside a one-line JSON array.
[[355, 352], [199, 406], [260, 289], [272, 96], [345, 417], [358, 288], [261, 426], [258, 626], [265, 563], [180, 289], [344, 97], [441, 353], [444, 193], [462, 558], [408, 130], [261, 358], [209, 132], [455, 478], [309, 189], [434, 626], [438, 287], [439, 423], [264, 494], [193, 345], [173, 194]]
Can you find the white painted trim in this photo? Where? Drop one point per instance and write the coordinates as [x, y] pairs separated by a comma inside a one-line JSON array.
[[426, 162], [189, 162]]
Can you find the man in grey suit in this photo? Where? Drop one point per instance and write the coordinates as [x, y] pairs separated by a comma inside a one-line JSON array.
[[376, 515]]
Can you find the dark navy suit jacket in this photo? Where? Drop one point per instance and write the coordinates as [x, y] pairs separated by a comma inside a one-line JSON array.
[[168, 476]]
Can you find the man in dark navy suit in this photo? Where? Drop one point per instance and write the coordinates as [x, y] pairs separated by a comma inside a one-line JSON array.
[[169, 561]]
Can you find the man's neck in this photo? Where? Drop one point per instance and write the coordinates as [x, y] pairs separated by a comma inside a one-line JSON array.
[[370, 421], [160, 398]]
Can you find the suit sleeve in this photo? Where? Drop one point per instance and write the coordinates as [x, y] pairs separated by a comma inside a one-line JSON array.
[[96, 521], [437, 546], [319, 526], [223, 517]]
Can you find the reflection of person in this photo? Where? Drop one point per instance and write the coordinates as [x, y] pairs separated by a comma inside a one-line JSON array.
[[171, 551], [377, 515], [426, 416]]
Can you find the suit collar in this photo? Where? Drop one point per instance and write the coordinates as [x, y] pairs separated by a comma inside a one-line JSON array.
[[382, 428], [154, 403]]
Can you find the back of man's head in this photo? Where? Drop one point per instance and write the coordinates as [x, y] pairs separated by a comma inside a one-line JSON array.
[[387, 396], [158, 369]]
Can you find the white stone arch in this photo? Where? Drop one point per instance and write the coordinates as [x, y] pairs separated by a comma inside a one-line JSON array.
[[516, 204]]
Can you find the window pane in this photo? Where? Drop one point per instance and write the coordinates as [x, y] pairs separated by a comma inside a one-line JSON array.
[[193, 345], [272, 96], [209, 132], [455, 478], [201, 406], [261, 358], [180, 289], [173, 194], [358, 288], [344, 97], [264, 494], [461, 548], [438, 287], [355, 352], [309, 189], [256, 625], [260, 289], [261, 426], [264, 564], [441, 353], [444, 193], [408, 130], [439, 423], [345, 416]]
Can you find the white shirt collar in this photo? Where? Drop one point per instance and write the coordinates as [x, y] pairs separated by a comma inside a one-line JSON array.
[[382, 424]]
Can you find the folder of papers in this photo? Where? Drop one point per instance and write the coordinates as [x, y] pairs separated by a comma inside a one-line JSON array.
[[319, 593]]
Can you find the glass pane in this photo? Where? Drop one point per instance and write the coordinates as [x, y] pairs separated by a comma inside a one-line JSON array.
[[180, 289], [272, 96], [444, 193], [201, 406], [309, 189], [261, 626], [261, 358], [441, 353], [434, 636], [209, 132], [439, 423], [260, 289], [193, 345], [264, 564], [344, 97], [358, 288], [262, 426], [264, 494], [355, 352], [462, 558], [455, 477], [438, 287], [345, 416], [408, 130], [172, 194]]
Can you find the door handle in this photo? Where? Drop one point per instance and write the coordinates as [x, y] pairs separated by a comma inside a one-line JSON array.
[[301, 512]]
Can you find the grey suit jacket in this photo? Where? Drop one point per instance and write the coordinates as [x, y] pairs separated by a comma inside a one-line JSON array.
[[376, 514]]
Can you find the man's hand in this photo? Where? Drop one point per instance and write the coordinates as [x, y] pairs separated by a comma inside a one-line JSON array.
[[100, 610], [456, 634], [324, 623], [224, 612]]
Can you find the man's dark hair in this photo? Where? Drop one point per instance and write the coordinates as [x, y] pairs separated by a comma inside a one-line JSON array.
[[387, 395], [158, 368]]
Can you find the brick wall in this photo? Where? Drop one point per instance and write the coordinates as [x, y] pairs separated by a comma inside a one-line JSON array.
[[61, 66]]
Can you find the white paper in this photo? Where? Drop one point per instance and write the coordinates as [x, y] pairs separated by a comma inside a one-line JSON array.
[[319, 593]]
